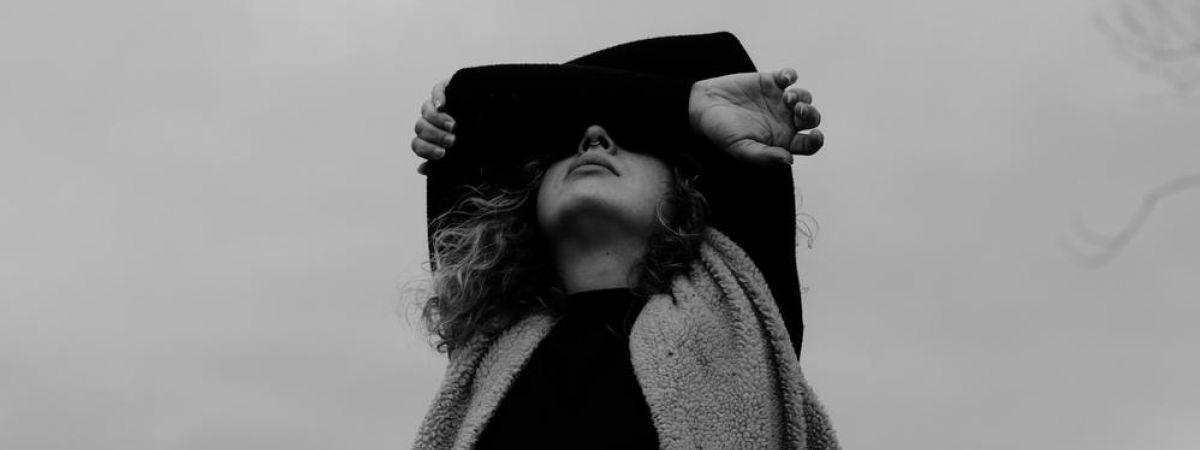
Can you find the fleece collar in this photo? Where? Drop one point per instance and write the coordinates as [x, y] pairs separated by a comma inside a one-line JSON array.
[[713, 359]]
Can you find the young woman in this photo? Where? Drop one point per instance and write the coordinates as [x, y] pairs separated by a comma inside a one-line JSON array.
[[586, 303]]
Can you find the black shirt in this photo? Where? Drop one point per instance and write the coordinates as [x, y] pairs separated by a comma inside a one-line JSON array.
[[578, 389]]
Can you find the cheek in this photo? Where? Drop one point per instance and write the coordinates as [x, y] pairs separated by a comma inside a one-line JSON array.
[[542, 201], [662, 178], [655, 189], [550, 184]]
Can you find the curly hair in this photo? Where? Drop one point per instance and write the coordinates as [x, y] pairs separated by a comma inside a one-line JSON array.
[[491, 265]]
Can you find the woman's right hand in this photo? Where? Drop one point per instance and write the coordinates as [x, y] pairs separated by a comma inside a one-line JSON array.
[[433, 128]]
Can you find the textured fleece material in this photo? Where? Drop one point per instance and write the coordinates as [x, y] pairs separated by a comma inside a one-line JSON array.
[[713, 359]]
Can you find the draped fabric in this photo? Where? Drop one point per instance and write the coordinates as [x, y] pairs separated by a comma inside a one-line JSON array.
[[713, 359]]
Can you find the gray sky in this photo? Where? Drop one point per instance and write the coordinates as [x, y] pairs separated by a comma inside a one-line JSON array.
[[211, 221]]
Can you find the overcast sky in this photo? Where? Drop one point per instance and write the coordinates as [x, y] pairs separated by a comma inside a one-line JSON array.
[[211, 224]]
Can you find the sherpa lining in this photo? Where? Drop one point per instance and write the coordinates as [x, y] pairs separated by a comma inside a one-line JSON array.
[[713, 359]]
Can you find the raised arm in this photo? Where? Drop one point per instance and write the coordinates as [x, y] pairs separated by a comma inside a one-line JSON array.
[[756, 117]]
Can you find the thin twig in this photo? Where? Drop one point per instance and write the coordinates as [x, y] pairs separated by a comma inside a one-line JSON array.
[[1107, 247]]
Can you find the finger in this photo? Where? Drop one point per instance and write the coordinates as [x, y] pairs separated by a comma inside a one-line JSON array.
[[430, 113], [427, 150], [438, 96], [805, 116], [797, 95], [756, 153], [785, 77], [434, 135], [422, 169], [807, 142]]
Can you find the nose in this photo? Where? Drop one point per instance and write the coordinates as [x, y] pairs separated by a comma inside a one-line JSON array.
[[596, 137]]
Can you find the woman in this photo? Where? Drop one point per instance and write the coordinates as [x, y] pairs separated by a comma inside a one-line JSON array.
[[590, 303]]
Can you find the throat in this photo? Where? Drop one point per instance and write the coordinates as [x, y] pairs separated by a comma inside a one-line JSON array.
[[591, 267]]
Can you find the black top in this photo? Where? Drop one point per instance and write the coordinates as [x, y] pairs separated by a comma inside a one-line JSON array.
[[578, 389]]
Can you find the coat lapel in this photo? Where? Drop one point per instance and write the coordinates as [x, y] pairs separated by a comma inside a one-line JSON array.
[[497, 371], [713, 359], [477, 379]]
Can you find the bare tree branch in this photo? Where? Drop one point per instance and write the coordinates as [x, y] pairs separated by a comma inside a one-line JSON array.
[[1157, 36], [1107, 247]]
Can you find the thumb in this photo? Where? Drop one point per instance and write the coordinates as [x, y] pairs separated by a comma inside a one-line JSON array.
[[754, 152]]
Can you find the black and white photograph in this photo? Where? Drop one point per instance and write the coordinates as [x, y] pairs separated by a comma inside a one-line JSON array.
[[266, 224]]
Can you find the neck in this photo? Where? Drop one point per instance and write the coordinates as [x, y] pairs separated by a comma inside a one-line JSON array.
[[586, 266]]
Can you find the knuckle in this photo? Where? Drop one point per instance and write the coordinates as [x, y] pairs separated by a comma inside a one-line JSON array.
[[426, 150], [429, 132], [429, 110]]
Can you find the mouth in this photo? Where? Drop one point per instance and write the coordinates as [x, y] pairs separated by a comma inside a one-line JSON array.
[[592, 159], [595, 166]]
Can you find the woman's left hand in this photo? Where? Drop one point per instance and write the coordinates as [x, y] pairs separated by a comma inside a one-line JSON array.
[[753, 117]]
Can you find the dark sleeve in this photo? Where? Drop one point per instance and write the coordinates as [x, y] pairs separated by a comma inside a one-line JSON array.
[[755, 206]]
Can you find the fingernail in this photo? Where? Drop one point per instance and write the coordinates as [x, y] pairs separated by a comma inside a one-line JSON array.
[[449, 140], [449, 125], [439, 153]]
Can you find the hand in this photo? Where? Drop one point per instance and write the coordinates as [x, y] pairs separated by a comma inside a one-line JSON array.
[[433, 128], [750, 116]]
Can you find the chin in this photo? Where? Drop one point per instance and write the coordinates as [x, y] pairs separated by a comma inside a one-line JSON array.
[[593, 208]]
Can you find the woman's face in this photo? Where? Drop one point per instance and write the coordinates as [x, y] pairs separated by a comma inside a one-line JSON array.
[[578, 194]]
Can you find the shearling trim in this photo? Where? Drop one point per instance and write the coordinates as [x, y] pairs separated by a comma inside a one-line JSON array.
[[713, 359], [478, 377]]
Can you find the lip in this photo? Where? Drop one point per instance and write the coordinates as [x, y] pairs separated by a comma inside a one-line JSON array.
[[592, 159]]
